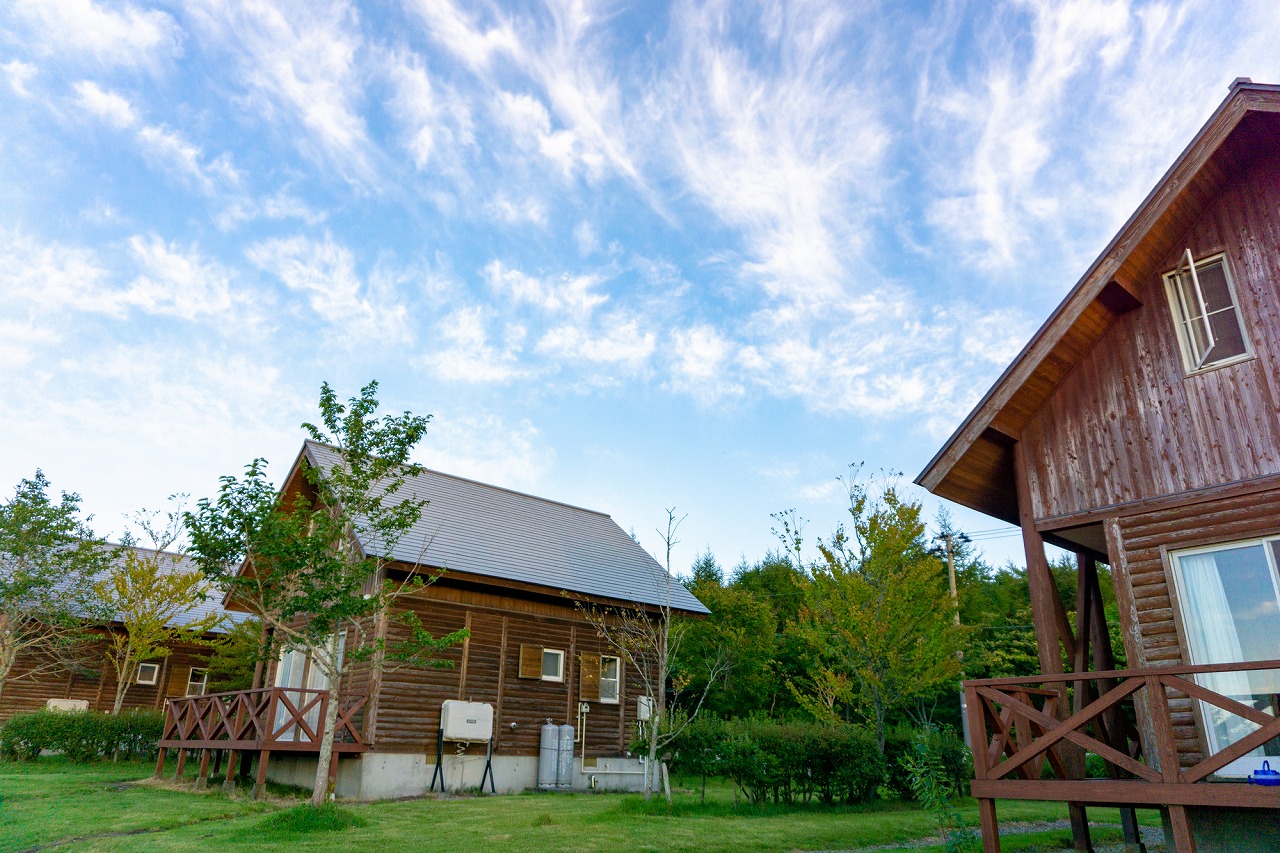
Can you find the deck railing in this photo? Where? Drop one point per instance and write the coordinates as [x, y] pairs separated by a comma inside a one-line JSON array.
[[1021, 725], [272, 718]]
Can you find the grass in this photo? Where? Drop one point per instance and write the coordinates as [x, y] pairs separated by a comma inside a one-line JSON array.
[[52, 804]]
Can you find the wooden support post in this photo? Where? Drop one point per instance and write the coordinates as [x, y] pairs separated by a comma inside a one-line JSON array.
[[990, 828], [202, 778], [182, 763], [332, 790], [260, 783], [1080, 840], [229, 784], [164, 752], [1183, 841], [1132, 835]]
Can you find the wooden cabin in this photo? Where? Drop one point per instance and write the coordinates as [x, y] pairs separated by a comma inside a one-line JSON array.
[[1139, 428], [91, 685], [522, 573]]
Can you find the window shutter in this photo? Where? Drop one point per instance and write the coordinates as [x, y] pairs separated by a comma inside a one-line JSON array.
[[177, 685], [589, 683], [530, 661]]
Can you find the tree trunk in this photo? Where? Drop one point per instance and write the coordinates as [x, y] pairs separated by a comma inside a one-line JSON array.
[[320, 794], [122, 685]]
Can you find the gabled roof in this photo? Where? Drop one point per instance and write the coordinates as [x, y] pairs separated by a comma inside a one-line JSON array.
[[975, 466], [473, 528], [171, 562]]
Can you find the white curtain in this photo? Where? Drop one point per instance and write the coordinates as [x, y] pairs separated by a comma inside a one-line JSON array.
[[1211, 633]]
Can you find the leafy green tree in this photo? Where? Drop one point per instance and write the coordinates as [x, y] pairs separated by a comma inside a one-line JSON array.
[[234, 656], [48, 558], [155, 596], [316, 561], [778, 584], [744, 630], [877, 620]]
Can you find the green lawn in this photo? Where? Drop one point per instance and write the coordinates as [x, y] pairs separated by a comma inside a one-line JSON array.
[[51, 804]]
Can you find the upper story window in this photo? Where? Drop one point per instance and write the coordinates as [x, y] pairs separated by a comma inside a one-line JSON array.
[[1206, 312]]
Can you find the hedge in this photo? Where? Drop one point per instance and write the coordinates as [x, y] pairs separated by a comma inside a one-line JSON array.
[[81, 735], [785, 762], [957, 765]]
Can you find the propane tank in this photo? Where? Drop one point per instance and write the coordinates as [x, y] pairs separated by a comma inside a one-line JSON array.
[[564, 762], [548, 749]]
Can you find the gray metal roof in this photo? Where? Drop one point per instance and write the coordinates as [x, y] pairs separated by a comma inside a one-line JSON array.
[[170, 562], [478, 529]]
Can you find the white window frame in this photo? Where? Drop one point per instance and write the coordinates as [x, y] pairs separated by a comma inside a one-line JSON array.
[[1191, 360], [1241, 767], [153, 668], [559, 676], [203, 682], [616, 680]]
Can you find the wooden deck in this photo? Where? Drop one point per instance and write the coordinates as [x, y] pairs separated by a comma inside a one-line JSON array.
[[1021, 726], [260, 722]]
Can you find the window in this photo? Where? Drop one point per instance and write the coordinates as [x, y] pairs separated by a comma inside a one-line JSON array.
[[610, 673], [148, 673], [1229, 599], [197, 682], [552, 665], [1203, 299]]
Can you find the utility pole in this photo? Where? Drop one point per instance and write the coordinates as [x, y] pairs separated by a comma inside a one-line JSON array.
[[947, 539]]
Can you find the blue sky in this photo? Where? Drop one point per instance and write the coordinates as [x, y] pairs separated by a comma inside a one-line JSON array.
[[628, 256]]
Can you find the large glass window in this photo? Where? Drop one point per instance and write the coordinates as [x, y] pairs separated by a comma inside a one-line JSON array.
[[610, 674], [1229, 596], [1205, 310]]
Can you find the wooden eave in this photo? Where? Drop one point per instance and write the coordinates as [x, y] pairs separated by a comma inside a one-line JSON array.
[[974, 468]]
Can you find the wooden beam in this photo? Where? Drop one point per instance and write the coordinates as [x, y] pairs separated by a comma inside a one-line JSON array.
[[1049, 617]]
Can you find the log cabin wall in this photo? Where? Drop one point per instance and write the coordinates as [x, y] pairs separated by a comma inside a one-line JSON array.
[[99, 688], [1127, 424], [1142, 542], [486, 668]]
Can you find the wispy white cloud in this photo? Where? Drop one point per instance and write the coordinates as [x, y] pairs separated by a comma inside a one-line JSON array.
[[176, 280], [113, 34], [106, 105], [576, 295], [529, 210], [489, 448], [19, 73], [702, 364], [300, 64], [782, 143], [466, 355], [619, 341], [435, 122], [170, 150], [356, 312]]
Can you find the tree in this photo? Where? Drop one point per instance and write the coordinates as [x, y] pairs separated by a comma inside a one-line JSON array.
[[155, 598], [651, 639], [233, 658], [48, 558], [313, 564], [744, 630], [877, 620]]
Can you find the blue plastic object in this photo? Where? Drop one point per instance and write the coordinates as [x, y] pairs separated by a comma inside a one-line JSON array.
[[1266, 776]]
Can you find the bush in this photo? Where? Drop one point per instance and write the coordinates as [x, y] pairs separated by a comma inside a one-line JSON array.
[[309, 818], [955, 762], [785, 762], [81, 735]]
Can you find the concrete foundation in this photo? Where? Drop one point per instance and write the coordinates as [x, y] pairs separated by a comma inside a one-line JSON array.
[[389, 775]]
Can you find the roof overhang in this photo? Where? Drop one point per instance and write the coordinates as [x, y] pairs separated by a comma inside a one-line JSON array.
[[974, 468]]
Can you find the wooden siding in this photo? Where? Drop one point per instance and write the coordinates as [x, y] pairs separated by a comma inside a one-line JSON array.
[[1142, 538], [1126, 424], [99, 689], [487, 669]]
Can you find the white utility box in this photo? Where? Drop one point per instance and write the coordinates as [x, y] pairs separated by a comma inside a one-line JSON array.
[[644, 708], [67, 704], [466, 721]]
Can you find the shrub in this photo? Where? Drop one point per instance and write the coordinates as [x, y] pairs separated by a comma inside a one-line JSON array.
[[785, 762], [81, 735], [927, 776], [955, 763], [309, 818]]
